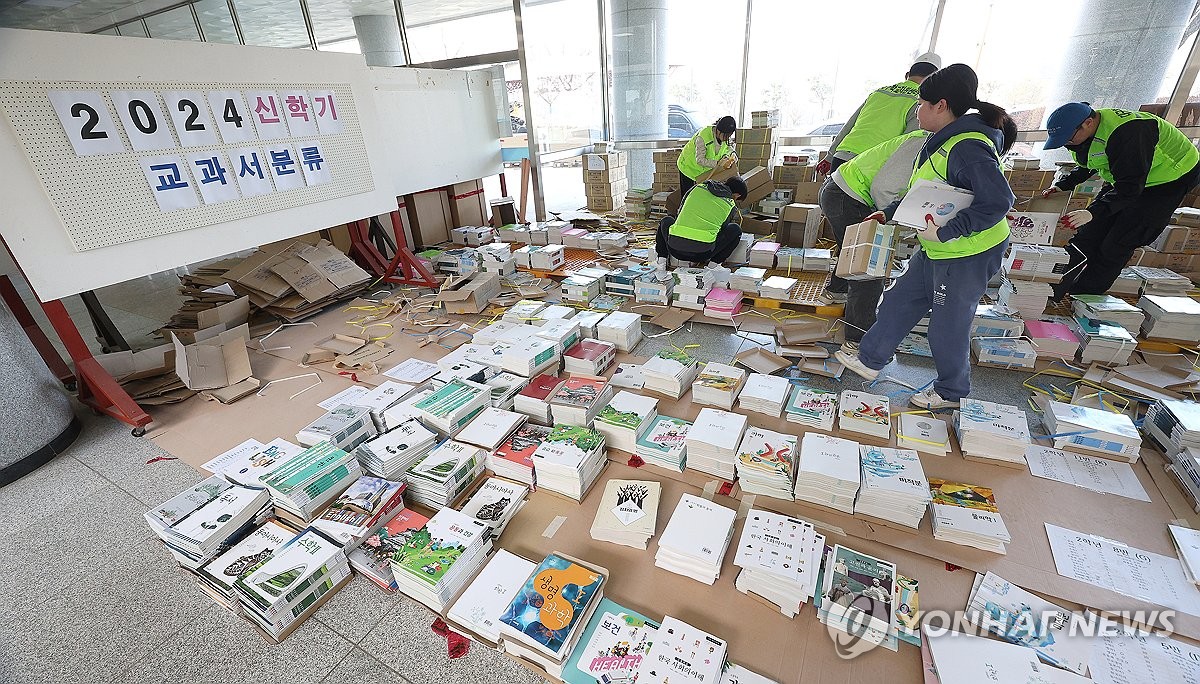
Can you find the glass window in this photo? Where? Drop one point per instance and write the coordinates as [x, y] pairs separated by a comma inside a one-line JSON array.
[[333, 21], [133, 28], [216, 22], [176, 24], [108, 32], [435, 33], [272, 23], [564, 72]]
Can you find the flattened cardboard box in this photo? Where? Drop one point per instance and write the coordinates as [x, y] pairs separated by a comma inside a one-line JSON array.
[[471, 295], [223, 317], [320, 271], [216, 362]]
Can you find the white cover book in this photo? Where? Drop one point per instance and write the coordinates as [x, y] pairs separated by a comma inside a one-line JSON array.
[[777, 544], [629, 506], [767, 389], [483, 601], [946, 201], [490, 428], [247, 467], [927, 434], [1187, 547], [894, 470], [255, 548], [698, 528], [683, 654], [965, 659], [720, 429], [833, 457], [496, 502], [865, 413]]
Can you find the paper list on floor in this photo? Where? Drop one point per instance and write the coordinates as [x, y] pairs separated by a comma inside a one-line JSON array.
[[1138, 658], [346, 396], [1089, 472], [1133, 572]]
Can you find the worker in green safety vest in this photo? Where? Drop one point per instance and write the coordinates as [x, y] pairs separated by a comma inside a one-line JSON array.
[[707, 151], [1147, 166], [947, 276], [885, 114], [706, 230]]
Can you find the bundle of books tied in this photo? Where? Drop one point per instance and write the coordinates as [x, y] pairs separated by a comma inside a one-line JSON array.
[[289, 584], [764, 394], [361, 510], [626, 418], [444, 474], [779, 557], [1095, 432], [966, 514], [438, 560], [1171, 318], [216, 577], [628, 512], [829, 472], [449, 408], [712, 442], [569, 460], [894, 487], [664, 443], [718, 385], [345, 427], [514, 459], [695, 539], [579, 399], [392, 453], [922, 432], [1051, 339], [589, 357], [1174, 424], [766, 463], [490, 428], [622, 329], [990, 432], [206, 519], [1103, 342], [495, 503], [1109, 308], [302, 485], [1026, 297], [670, 372]]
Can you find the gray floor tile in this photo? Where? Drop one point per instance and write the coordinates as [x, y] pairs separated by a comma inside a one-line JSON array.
[[57, 485], [355, 610], [361, 668], [107, 447]]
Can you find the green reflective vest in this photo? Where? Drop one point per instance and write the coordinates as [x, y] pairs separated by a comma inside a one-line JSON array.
[[687, 158], [701, 216], [934, 169], [859, 172], [883, 116], [1174, 155]]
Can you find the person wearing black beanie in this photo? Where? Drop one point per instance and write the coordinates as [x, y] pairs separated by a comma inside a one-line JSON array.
[[706, 152], [949, 274]]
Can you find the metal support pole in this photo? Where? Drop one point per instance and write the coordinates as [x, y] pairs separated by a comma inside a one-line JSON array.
[[312, 36], [745, 66], [145, 26], [403, 31], [937, 25], [196, 18], [535, 159], [237, 25], [1183, 87], [605, 90]]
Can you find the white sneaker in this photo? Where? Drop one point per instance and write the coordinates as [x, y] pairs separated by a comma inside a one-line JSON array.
[[931, 400], [851, 362], [850, 348]]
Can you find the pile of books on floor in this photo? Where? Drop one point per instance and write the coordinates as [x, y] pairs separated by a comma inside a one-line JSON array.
[[252, 459], [670, 372], [723, 303], [777, 287], [718, 385], [766, 463], [894, 487], [529, 356], [664, 443], [285, 588], [991, 432], [563, 332], [1036, 262], [1103, 342], [373, 557], [1026, 297], [1161, 281], [569, 460], [626, 417], [542, 623], [763, 253], [303, 484], [455, 404], [747, 279], [505, 386], [683, 653], [490, 428], [628, 512], [495, 503], [1095, 432], [589, 357], [1185, 467], [344, 426], [994, 321], [524, 312], [216, 578], [780, 558], [205, 520], [1108, 308], [691, 287], [865, 414], [1171, 318], [392, 453], [818, 260], [829, 472], [812, 407], [695, 539], [579, 399], [479, 607], [764, 394], [622, 329], [924, 433], [966, 514], [514, 458], [438, 560], [712, 442], [1174, 425], [444, 474], [1127, 283], [361, 510], [534, 399], [1004, 352], [1051, 339]]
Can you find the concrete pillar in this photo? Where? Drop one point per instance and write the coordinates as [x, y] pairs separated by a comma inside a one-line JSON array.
[[639, 91], [379, 39]]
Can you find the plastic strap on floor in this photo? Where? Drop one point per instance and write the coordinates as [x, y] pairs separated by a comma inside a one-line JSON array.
[[747, 504], [552, 528], [710, 489]]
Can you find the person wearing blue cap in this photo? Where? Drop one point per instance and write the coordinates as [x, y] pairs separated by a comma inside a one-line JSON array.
[[1147, 166]]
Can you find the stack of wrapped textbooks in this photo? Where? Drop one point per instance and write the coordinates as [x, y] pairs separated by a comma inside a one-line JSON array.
[[1103, 342], [966, 514], [995, 433], [505, 386], [718, 385], [444, 474], [683, 653], [670, 372], [373, 557], [762, 254], [251, 459], [534, 399], [569, 460], [764, 394], [514, 458], [205, 520], [777, 287], [391, 454], [747, 279], [1108, 308], [589, 357], [1004, 352], [622, 329], [712, 442], [691, 286], [628, 512], [438, 560], [766, 463], [490, 428], [524, 312], [829, 472], [303, 484], [1127, 283], [626, 417], [695, 539], [345, 427], [1095, 432], [282, 591], [723, 303], [216, 577], [865, 414], [563, 332], [579, 399], [924, 433], [780, 558], [813, 407], [530, 356], [1171, 318], [360, 510], [1174, 425], [1052, 339], [1161, 281], [1026, 297], [1036, 262], [664, 443], [449, 409], [995, 321], [894, 487]]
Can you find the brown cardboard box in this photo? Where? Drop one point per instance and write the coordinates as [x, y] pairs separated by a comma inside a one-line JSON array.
[[429, 215], [318, 271], [807, 192], [791, 175], [759, 225], [610, 189], [800, 225], [1173, 239], [666, 157], [1054, 204], [855, 260], [754, 136], [605, 162], [605, 203], [218, 361], [1025, 182], [1078, 202], [470, 295], [752, 151], [756, 194], [468, 206], [605, 176]]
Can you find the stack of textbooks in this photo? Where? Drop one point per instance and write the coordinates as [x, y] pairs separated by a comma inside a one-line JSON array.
[[1095, 432], [1108, 308], [696, 538], [546, 618], [251, 459], [530, 356], [579, 399], [524, 312], [653, 288], [205, 520], [691, 286], [407, 409], [1054, 340], [683, 654], [1174, 425], [723, 303], [216, 578], [1036, 262], [481, 604], [1026, 297], [994, 321], [626, 417], [628, 512], [373, 557], [924, 433], [380, 399], [1161, 281], [812, 407], [1103, 342], [490, 428], [580, 289], [495, 503], [278, 594], [1171, 318], [303, 484], [514, 458], [360, 510], [966, 514], [1185, 467], [718, 385], [438, 560], [664, 443], [777, 287], [345, 427], [766, 463], [780, 558], [858, 595], [763, 252], [996, 433], [621, 282], [765, 394], [712, 442], [1127, 283], [894, 487], [569, 460], [622, 329], [392, 453], [670, 372], [747, 279], [450, 408], [1004, 352], [614, 645], [588, 320], [444, 474], [563, 332], [829, 472], [865, 414], [534, 399], [589, 357], [505, 386]]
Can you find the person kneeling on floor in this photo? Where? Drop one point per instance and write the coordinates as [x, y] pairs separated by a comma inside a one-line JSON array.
[[707, 228]]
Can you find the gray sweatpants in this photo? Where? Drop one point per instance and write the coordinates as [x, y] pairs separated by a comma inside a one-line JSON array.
[[946, 289]]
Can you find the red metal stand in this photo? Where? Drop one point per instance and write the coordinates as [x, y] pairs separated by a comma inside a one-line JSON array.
[[364, 251]]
